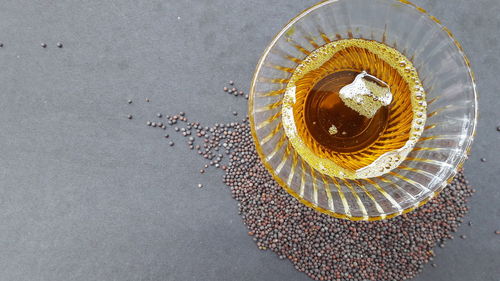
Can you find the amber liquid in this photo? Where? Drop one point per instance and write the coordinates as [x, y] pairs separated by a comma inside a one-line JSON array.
[[356, 141], [324, 109]]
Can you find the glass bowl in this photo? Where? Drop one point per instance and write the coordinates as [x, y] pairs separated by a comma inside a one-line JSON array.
[[451, 96]]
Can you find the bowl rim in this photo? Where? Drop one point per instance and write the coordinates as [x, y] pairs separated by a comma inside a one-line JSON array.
[[281, 182]]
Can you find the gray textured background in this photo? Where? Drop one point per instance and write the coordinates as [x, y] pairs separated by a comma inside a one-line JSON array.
[[87, 195]]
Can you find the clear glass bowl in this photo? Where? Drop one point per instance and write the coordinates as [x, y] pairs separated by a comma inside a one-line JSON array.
[[451, 112]]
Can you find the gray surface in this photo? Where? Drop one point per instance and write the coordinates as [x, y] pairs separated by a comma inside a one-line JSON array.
[[87, 195]]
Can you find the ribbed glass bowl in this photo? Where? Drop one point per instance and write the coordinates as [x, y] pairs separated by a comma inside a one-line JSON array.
[[451, 112]]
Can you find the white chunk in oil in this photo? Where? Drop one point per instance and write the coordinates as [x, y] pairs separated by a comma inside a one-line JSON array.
[[333, 130], [365, 96]]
